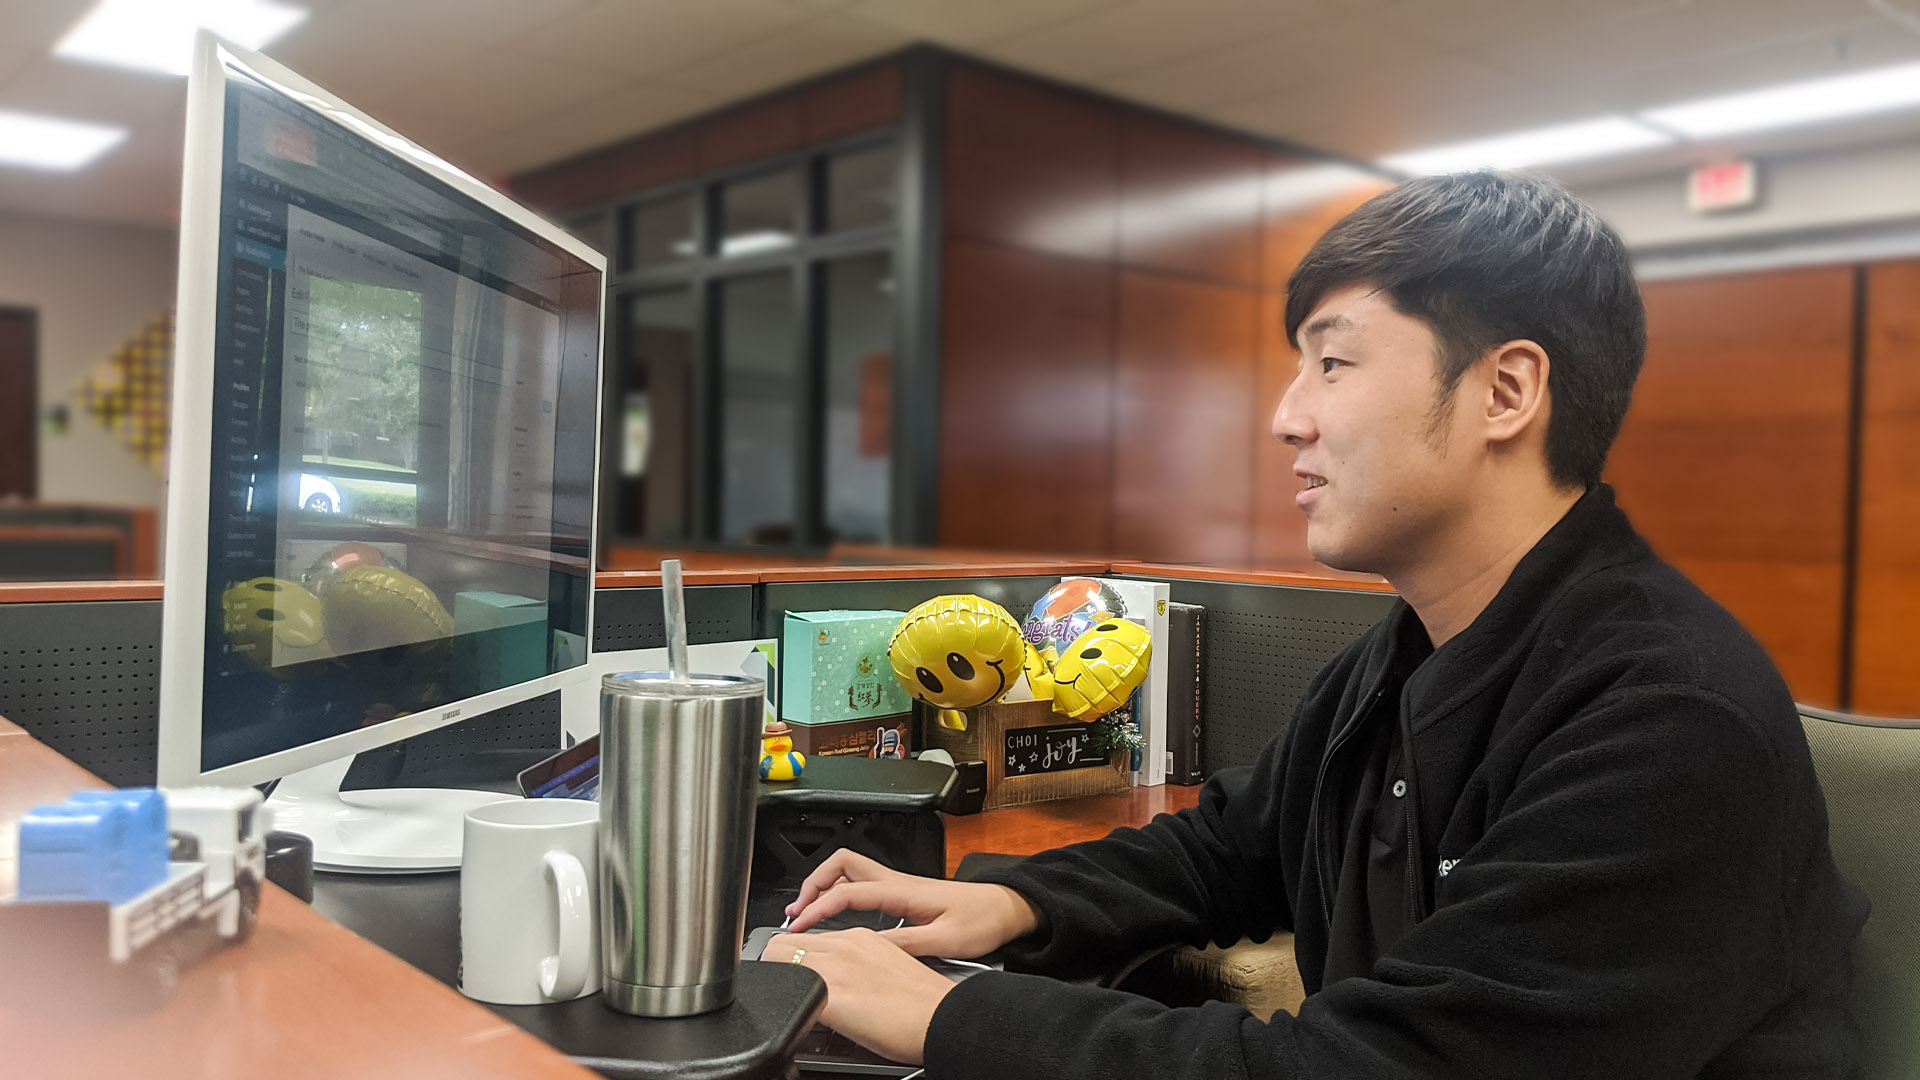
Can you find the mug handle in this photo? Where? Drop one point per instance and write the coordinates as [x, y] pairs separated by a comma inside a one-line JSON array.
[[564, 974]]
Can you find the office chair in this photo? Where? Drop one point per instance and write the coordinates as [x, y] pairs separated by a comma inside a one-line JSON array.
[[1870, 771]]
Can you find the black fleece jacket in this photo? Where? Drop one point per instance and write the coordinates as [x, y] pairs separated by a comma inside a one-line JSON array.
[[1617, 864]]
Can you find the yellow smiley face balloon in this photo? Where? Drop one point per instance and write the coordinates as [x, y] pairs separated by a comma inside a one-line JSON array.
[[957, 652], [1101, 669]]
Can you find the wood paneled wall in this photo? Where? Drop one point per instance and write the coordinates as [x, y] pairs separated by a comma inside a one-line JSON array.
[[1886, 640], [1733, 459], [1110, 342], [865, 97]]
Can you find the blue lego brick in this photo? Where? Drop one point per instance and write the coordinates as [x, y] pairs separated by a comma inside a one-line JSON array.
[[147, 842], [99, 845], [74, 852]]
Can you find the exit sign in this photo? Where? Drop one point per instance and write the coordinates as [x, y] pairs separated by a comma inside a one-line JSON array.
[[1731, 185]]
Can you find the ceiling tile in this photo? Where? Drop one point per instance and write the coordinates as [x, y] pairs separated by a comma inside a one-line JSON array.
[[1833, 49], [136, 182], [32, 26], [88, 92], [367, 51], [1408, 108], [1482, 23], [975, 21], [644, 37], [488, 92], [1322, 54], [1115, 40], [1629, 39], [606, 119], [813, 47]]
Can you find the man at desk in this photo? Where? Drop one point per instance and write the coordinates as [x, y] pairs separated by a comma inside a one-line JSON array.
[[1555, 816]]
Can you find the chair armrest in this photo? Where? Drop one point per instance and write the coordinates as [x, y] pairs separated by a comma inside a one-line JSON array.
[[1262, 976]]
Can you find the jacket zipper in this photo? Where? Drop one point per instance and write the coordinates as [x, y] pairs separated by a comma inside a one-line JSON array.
[[1412, 803], [1321, 870]]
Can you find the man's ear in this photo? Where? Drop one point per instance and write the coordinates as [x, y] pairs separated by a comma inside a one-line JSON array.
[[1517, 402]]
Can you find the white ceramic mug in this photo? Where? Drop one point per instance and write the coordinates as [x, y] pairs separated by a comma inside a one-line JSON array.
[[529, 870]]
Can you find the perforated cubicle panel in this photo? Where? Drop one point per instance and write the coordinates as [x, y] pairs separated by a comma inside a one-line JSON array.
[[1264, 644], [84, 678], [633, 618]]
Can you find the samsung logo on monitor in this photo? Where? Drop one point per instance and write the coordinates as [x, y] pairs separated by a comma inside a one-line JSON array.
[[450, 714]]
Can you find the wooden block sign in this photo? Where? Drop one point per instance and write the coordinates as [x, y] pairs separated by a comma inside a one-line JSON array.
[[1051, 749], [1031, 755]]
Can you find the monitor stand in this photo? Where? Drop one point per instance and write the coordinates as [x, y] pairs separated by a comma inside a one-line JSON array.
[[376, 831]]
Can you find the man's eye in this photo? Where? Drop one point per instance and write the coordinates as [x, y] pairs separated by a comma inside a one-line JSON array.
[[1328, 363]]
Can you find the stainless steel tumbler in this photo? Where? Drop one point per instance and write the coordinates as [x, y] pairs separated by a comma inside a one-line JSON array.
[[679, 780]]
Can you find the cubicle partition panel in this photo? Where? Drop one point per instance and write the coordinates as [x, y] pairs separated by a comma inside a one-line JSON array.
[[83, 675], [84, 678], [632, 618], [1264, 644]]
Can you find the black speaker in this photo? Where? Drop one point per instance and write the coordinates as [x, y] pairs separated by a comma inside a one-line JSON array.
[[969, 788]]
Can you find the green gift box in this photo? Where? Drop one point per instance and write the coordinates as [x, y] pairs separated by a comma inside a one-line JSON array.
[[498, 639], [833, 667]]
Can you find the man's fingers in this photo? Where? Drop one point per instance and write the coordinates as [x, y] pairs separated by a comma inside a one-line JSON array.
[[808, 894], [842, 864], [857, 895]]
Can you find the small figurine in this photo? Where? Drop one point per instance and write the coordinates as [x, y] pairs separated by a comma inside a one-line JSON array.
[[778, 759], [957, 653]]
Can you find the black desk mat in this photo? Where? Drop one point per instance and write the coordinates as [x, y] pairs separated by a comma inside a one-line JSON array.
[[417, 918]]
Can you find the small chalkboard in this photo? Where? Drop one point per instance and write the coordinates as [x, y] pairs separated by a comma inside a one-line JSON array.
[[1034, 750]]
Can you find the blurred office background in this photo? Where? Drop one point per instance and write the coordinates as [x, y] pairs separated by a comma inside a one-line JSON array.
[[908, 280]]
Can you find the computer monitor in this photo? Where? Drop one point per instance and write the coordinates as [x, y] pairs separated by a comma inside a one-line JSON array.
[[385, 453]]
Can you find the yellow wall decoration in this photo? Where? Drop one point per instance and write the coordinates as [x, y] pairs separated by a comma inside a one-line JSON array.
[[130, 394]]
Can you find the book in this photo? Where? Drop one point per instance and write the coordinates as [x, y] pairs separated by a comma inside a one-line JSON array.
[[1186, 707], [1146, 603]]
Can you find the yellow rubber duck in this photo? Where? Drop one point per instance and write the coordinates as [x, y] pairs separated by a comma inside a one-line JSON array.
[[778, 759]]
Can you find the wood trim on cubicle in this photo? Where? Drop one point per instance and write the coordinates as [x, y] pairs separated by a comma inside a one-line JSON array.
[[1321, 578], [650, 579], [67, 592], [92, 591], [899, 573]]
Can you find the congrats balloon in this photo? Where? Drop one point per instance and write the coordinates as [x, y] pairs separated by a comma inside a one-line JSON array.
[[1068, 610]]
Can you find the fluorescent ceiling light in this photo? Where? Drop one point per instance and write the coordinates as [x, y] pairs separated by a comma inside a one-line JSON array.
[[1540, 146], [42, 142], [1880, 90], [157, 35]]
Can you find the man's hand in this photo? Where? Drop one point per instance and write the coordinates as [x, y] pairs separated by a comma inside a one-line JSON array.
[[877, 995], [957, 919]]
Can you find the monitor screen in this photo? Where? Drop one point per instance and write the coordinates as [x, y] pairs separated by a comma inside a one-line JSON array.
[[403, 425]]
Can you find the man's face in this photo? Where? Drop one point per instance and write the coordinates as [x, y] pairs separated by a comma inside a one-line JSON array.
[[1383, 480]]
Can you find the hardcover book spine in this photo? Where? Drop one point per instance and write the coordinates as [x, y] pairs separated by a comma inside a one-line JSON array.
[[1186, 727]]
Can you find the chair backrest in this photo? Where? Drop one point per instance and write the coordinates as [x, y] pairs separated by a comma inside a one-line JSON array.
[[1870, 771]]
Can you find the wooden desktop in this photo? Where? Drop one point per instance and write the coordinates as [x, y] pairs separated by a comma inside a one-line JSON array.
[[307, 998]]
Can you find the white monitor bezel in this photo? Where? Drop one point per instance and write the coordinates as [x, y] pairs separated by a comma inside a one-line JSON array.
[[184, 612]]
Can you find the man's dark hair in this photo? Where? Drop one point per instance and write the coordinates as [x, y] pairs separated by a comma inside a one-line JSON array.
[[1487, 257]]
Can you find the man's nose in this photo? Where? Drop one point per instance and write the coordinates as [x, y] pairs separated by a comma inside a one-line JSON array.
[[1291, 424]]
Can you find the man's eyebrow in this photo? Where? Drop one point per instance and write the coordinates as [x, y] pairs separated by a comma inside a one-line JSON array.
[[1325, 323]]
